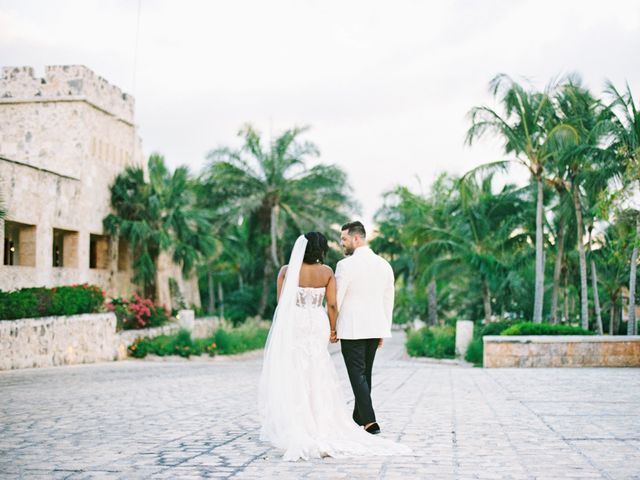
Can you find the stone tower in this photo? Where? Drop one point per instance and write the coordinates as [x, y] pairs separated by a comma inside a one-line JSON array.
[[63, 140]]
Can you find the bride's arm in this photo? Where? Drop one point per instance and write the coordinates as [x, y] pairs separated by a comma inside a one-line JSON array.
[[332, 304]]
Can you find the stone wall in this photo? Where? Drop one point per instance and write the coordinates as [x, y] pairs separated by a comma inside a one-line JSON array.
[[88, 338], [50, 341], [561, 351]]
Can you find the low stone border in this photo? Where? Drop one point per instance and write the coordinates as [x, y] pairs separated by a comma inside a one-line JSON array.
[[51, 341], [550, 351], [88, 338]]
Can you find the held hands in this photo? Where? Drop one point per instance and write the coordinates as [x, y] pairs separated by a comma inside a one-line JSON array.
[[333, 337]]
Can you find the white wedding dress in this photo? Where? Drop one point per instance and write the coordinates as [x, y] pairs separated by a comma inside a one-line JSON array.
[[302, 409]]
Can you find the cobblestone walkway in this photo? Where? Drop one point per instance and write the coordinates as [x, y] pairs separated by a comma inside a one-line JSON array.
[[197, 419]]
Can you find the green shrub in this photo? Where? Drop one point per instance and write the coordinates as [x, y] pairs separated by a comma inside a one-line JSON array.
[[223, 342], [183, 345], [494, 328], [434, 342], [414, 343], [475, 351], [42, 302], [239, 339], [241, 304], [530, 328]]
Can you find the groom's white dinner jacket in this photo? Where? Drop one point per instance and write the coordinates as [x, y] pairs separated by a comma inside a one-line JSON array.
[[365, 291]]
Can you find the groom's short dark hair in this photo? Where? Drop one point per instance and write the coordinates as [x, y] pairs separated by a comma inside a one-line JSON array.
[[355, 228]]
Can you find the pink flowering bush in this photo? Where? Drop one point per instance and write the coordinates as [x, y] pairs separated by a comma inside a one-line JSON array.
[[137, 312]]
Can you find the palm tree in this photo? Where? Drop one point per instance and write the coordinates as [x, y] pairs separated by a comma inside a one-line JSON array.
[[612, 258], [632, 328], [156, 216], [626, 146], [527, 134], [482, 225], [586, 122], [563, 217], [396, 239], [631, 218], [274, 188]]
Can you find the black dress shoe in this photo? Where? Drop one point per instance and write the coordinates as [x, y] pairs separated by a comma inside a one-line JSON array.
[[373, 429]]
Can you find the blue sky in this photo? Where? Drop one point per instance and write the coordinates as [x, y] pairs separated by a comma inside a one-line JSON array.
[[384, 86]]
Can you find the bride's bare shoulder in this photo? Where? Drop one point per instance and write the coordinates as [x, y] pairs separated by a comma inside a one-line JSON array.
[[327, 270], [283, 270]]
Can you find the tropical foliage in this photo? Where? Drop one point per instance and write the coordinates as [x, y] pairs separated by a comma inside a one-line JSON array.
[[262, 197], [562, 248], [159, 214], [224, 341], [488, 247]]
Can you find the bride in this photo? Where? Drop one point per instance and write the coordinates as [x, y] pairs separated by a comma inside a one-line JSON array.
[[301, 406]]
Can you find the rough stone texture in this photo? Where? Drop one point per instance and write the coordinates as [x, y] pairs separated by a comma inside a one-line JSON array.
[[561, 351], [66, 83], [204, 327], [186, 319], [49, 341], [464, 335], [63, 140], [197, 419]]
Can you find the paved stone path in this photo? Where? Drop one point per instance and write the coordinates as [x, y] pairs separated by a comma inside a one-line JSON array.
[[197, 419]]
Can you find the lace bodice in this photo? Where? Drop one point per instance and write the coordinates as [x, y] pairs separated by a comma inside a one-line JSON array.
[[310, 297]]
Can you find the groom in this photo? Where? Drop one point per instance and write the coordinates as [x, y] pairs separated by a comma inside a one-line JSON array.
[[365, 291]]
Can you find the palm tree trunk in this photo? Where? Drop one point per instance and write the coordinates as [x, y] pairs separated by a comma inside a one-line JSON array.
[[594, 286], [612, 318], [539, 282], [486, 300], [212, 298], [632, 327], [557, 270], [266, 282], [596, 298], [433, 302], [275, 210], [584, 299], [566, 295], [271, 262], [221, 299]]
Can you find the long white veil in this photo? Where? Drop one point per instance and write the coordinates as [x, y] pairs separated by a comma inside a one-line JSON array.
[[278, 391]]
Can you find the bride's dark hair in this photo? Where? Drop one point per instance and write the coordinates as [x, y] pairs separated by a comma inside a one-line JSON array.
[[317, 248]]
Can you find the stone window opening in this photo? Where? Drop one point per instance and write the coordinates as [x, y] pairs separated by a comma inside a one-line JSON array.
[[98, 251], [19, 244], [65, 248]]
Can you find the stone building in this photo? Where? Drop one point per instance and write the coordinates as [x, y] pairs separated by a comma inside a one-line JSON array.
[[63, 140]]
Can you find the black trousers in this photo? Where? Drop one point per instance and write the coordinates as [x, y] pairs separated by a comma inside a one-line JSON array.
[[358, 357]]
